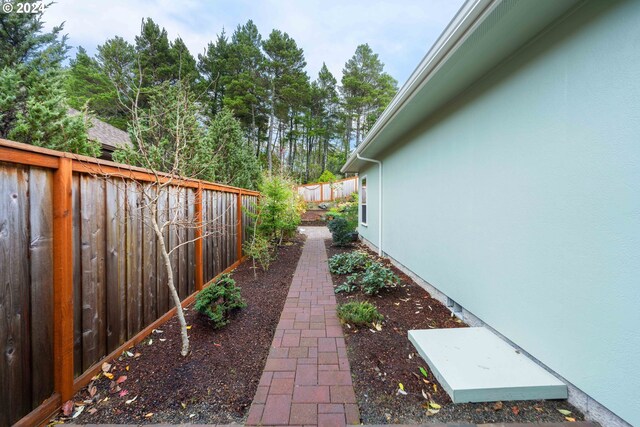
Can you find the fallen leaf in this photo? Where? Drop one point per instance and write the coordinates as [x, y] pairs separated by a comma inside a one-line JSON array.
[[564, 412], [106, 367], [108, 375], [78, 411], [127, 368], [149, 415], [378, 326], [498, 406], [570, 419], [150, 342], [434, 405], [67, 408], [184, 405], [162, 339], [424, 372], [217, 345], [401, 390], [137, 355], [92, 391], [432, 411], [515, 410], [123, 393], [435, 388], [158, 331], [401, 386], [92, 411], [188, 327], [121, 379], [128, 353], [425, 395], [538, 408], [130, 401]]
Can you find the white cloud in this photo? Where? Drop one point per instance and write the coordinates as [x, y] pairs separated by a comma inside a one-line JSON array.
[[400, 32]]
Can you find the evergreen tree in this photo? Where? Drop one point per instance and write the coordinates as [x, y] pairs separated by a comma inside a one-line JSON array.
[[288, 81], [154, 54], [87, 85], [235, 163], [215, 70], [33, 105], [366, 90]]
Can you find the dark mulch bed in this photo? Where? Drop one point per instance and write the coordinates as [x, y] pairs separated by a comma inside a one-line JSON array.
[[216, 383], [381, 360], [313, 218]]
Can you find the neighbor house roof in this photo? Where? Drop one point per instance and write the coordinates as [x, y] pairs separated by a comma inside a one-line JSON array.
[[483, 34], [109, 136]]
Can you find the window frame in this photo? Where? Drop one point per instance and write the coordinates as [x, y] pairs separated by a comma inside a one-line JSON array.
[[363, 203]]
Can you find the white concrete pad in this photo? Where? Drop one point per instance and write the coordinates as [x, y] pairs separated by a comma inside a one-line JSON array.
[[475, 365]]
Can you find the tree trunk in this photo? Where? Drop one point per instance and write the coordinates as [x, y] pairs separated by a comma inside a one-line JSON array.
[[172, 288]]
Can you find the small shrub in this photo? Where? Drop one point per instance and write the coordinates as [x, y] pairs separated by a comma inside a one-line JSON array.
[[377, 277], [349, 286], [259, 250], [348, 262], [341, 232], [281, 208], [327, 176], [219, 299], [359, 313]]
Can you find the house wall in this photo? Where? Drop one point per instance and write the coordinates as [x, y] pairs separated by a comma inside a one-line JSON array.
[[521, 201]]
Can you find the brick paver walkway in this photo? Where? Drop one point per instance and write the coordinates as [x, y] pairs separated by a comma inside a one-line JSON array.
[[307, 379]]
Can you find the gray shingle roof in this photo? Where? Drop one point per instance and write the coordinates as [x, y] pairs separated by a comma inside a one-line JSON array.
[[109, 136]]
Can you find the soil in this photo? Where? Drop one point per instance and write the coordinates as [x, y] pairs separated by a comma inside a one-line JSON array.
[[217, 381], [313, 218], [380, 360]]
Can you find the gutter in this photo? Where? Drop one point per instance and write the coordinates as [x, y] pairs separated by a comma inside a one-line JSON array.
[[471, 14], [379, 163]]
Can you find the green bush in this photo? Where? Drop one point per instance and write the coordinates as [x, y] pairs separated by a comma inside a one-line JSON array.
[[327, 176], [219, 299], [377, 277], [281, 208], [259, 250], [341, 233], [348, 262], [359, 313]]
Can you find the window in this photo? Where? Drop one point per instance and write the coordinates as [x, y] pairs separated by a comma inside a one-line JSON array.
[[363, 200]]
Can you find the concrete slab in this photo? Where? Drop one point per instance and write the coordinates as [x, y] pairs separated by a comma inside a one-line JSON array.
[[475, 365]]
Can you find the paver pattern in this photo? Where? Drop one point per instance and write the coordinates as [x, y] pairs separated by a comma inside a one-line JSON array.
[[307, 378]]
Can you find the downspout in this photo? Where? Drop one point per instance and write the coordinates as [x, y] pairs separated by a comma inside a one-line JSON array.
[[379, 199]]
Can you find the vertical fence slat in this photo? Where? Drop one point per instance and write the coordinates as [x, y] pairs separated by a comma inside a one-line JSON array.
[[134, 260], [115, 265], [161, 270], [239, 228], [15, 390], [182, 238], [190, 253], [93, 244], [198, 236], [41, 264], [77, 277], [63, 279], [149, 258]]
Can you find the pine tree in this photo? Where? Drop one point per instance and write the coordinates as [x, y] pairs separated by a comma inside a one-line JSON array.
[[33, 104], [366, 90]]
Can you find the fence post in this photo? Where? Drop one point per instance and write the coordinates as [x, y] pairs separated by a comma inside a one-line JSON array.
[[63, 279], [198, 236], [239, 225]]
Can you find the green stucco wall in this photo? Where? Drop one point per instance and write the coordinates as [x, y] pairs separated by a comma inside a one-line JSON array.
[[521, 201]]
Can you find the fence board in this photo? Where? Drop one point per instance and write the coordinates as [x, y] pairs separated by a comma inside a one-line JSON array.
[[191, 265], [182, 238], [161, 271], [116, 281], [15, 379], [149, 257], [93, 286], [77, 277], [325, 192], [134, 259], [41, 266]]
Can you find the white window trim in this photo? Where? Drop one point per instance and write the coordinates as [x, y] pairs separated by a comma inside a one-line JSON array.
[[362, 178]]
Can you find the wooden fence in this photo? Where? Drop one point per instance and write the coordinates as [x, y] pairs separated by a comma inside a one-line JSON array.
[[81, 277], [327, 192]]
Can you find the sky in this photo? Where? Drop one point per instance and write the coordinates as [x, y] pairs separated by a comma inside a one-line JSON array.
[[400, 31]]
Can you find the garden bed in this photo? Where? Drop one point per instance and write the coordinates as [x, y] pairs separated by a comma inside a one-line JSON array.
[[314, 218], [381, 360], [216, 382]]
